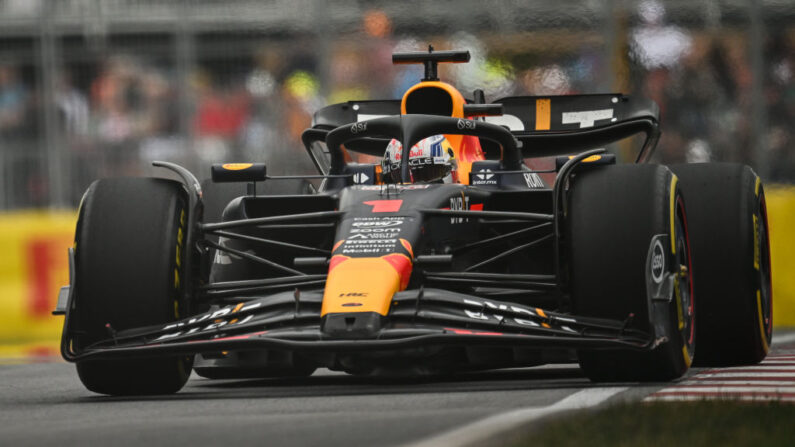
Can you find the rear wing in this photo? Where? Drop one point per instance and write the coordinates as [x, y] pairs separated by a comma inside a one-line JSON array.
[[555, 125], [546, 125]]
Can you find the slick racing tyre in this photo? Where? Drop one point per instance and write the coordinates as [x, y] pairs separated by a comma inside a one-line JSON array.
[[618, 216], [731, 258], [129, 264]]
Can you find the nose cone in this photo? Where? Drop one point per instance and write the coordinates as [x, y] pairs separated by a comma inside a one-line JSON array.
[[359, 292]]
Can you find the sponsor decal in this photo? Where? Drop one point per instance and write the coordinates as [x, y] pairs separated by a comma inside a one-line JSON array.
[[385, 206], [352, 294], [465, 124], [376, 222], [358, 127], [376, 230], [657, 262], [587, 118], [485, 174], [375, 235], [236, 166], [360, 177], [485, 177], [533, 180], [420, 161], [459, 204], [368, 246]]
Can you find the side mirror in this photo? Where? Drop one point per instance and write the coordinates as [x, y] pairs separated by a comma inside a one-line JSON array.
[[238, 172]]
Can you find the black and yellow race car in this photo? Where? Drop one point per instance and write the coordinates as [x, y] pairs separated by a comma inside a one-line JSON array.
[[447, 254]]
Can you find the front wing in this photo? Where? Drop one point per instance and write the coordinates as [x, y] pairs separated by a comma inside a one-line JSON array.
[[290, 321]]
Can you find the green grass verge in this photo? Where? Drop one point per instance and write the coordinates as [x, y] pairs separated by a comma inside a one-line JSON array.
[[705, 423]]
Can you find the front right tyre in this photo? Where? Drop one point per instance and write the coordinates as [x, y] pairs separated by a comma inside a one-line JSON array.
[[731, 256]]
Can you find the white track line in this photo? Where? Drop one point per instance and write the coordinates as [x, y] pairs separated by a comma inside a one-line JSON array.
[[748, 374], [729, 389], [760, 383], [479, 432], [751, 371], [653, 398]]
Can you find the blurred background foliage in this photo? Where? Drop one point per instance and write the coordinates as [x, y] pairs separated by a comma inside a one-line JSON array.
[[95, 88]]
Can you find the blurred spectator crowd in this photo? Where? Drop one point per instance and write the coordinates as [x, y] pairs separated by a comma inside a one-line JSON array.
[[114, 114]]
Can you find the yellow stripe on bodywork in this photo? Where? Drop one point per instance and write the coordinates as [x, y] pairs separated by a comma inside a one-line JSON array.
[[674, 180], [543, 114]]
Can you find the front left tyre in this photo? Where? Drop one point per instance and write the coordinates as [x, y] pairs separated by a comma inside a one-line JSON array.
[[618, 216], [129, 263]]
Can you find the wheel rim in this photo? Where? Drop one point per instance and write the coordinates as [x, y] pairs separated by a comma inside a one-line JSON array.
[[683, 286], [765, 289]]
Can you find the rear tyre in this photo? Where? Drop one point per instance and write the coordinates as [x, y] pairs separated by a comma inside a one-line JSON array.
[[129, 264], [614, 214], [731, 255]]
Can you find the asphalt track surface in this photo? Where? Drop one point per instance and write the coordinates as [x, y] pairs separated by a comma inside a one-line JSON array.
[[45, 404]]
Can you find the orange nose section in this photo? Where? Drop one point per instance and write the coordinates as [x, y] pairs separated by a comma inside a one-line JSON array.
[[364, 284]]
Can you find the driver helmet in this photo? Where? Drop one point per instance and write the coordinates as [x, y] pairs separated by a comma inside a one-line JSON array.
[[431, 160]]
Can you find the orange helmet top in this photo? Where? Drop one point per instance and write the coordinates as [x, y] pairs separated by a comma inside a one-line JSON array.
[[440, 98]]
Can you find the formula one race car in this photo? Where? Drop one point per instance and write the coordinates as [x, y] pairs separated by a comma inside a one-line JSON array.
[[450, 254]]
